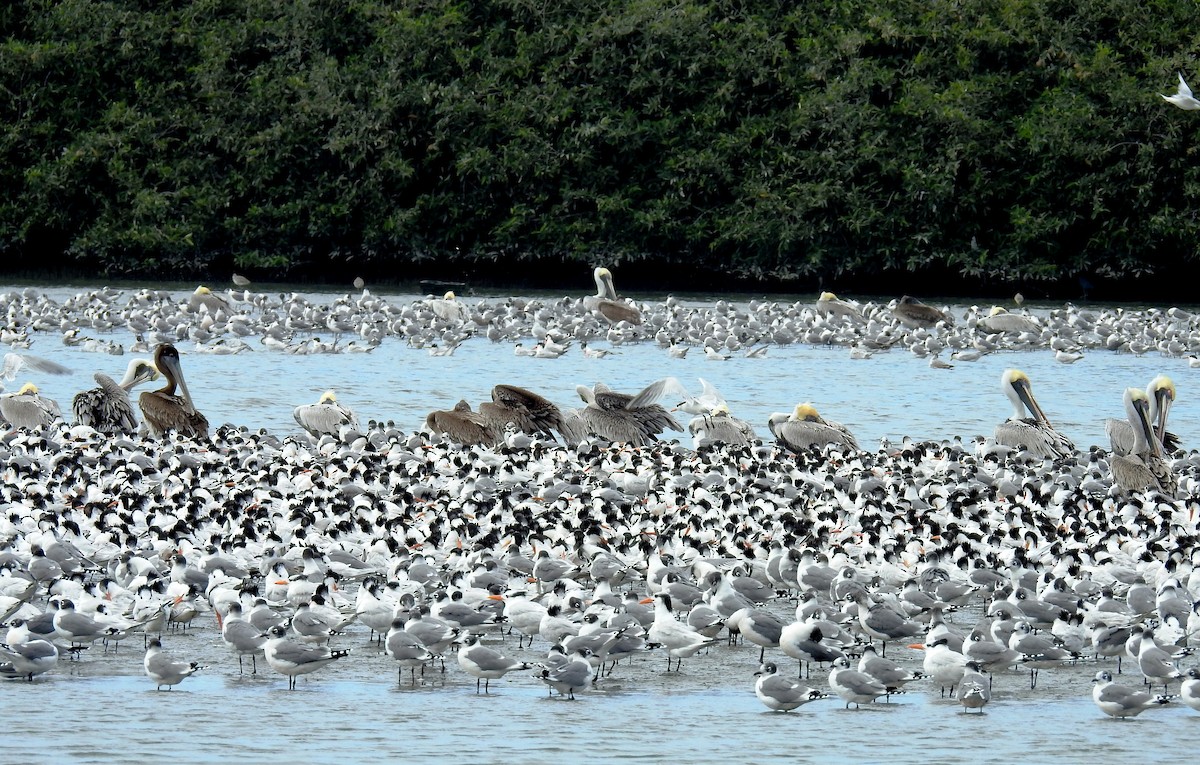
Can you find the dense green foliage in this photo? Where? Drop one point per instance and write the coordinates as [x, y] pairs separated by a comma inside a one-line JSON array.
[[842, 141]]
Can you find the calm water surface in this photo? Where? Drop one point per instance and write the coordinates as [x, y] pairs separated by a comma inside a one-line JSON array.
[[893, 394], [103, 709]]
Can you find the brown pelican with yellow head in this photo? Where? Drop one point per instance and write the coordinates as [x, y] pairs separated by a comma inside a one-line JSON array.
[[1000, 320], [162, 409], [107, 407], [325, 416], [805, 427], [448, 308], [1160, 394], [828, 304], [606, 303], [1144, 467], [1033, 433], [28, 409]]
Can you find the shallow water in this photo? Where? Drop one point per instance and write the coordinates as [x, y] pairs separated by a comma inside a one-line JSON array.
[[893, 394], [356, 710], [102, 708]]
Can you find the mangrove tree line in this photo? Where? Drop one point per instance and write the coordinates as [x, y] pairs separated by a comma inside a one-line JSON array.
[[851, 142]]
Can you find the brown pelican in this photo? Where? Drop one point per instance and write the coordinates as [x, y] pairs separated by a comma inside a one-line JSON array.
[[528, 411], [606, 303], [162, 409], [720, 427], [829, 305], [28, 409], [804, 428], [1000, 320], [614, 416], [107, 408], [1034, 433], [1144, 467], [463, 426], [206, 298], [448, 308], [1161, 394], [325, 416], [913, 314]]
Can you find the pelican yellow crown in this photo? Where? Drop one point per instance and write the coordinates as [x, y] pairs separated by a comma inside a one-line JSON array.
[[1011, 376], [828, 296], [996, 311], [328, 397], [1162, 382], [806, 411], [28, 389]]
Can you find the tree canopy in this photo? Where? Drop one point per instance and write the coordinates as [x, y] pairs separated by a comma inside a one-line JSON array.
[[837, 142]]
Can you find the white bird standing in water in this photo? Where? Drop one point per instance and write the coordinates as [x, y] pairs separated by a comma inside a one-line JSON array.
[[1121, 700], [1183, 96], [974, 690], [164, 669], [781, 694]]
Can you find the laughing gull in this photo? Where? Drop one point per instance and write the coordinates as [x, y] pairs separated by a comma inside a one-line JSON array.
[[1037, 652], [573, 675], [484, 663], [805, 641], [291, 658], [781, 694], [974, 690], [78, 628], [880, 621], [852, 686], [164, 669], [1157, 664], [405, 648], [759, 627], [25, 654], [886, 671], [1121, 701]]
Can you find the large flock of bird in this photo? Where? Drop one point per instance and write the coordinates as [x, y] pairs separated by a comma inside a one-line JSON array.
[[590, 529]]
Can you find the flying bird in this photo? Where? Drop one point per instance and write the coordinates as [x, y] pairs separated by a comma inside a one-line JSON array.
[[1183, 96]]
